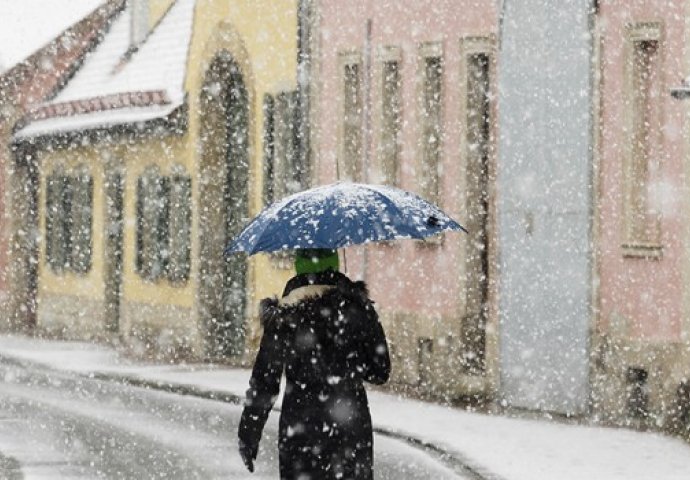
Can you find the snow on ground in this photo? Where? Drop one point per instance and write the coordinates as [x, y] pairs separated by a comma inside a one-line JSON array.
[[526, 449], [28, 25], [25, 457], [509, 448]]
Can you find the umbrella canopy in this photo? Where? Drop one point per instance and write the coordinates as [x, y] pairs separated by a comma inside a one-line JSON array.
[[339, 215]]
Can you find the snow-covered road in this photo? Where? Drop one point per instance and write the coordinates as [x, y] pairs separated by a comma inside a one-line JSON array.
[[59, 425]]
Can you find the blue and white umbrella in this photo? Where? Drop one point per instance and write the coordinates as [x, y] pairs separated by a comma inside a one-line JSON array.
[[340, 215]]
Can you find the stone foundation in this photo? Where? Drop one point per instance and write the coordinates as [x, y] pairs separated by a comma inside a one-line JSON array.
[[160, 331], [640, 384], [71, 317], [428, 359]]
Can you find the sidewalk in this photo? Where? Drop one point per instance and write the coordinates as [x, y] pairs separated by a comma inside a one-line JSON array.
[[494, 446]]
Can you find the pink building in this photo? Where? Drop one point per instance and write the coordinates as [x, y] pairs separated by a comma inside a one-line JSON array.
[[403, 94], [641, 353]]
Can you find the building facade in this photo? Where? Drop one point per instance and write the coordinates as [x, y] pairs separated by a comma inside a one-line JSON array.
[[569, 294], [22, 86], [403, 94], [640, 353], [149, 161]]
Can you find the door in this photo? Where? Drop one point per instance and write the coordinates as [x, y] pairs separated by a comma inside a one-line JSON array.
[[544, 205]]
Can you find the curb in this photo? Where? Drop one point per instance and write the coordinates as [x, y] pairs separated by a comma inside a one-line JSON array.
[[456, 462]]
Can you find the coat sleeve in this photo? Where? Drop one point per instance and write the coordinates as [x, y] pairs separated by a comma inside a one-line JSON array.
[[264, 385], [374, 363]]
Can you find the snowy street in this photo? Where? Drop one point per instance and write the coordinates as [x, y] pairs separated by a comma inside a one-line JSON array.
[[62, 426], [89, 388]]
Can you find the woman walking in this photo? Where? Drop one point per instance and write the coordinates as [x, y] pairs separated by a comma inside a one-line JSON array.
[[325, 335]]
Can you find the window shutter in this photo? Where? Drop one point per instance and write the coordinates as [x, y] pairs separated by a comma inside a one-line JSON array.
[[51, 214], [431, 130], [283, 141], [289, 173], [297, 169], [66, 240], [87, 219], [390, 121], [162, 230], [351, 161], [82, 198], [180, 228], [269, 149], [139, 257]]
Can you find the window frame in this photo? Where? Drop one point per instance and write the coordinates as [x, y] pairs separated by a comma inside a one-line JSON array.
[[180, 224], [269, 149], [477, 363], [345, 164], [389, 166], [431, 189], [82, 220], [648, 245]]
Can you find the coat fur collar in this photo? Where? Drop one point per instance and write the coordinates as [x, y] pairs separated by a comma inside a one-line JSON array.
[[305, 288], [304, 293]]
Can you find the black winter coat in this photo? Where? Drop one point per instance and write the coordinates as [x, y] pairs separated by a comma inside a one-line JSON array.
[[325, 335]]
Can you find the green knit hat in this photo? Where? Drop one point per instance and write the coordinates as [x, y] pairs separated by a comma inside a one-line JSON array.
[[316, 260]]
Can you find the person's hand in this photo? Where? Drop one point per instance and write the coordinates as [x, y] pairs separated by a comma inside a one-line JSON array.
[[248, 454]]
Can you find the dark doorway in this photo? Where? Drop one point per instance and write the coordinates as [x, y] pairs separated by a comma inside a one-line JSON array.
[[224, 205], [478, 136]]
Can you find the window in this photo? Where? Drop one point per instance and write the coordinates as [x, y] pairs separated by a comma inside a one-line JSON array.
[[269, 149], [69, 206], [163, 226], [284, 173], [82, 208], [151, 240], [161, 233], [476, 68], [287, 145], [53, 221], [139, 257], [430, 121], [642, 221], [391, 118], [180, 227], [350, 167], [65, 222]]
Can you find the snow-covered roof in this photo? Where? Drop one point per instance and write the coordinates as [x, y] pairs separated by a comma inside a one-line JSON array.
[[29, 25], [95, 120], [115, 85]]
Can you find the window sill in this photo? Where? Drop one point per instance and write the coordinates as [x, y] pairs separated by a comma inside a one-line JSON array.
[[430, 242], [653, 251], [388, 243]]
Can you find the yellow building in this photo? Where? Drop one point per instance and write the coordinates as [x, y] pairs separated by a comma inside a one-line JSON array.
[[176, 130]]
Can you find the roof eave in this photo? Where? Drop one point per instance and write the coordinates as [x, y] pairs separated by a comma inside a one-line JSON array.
[[174, 123]]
